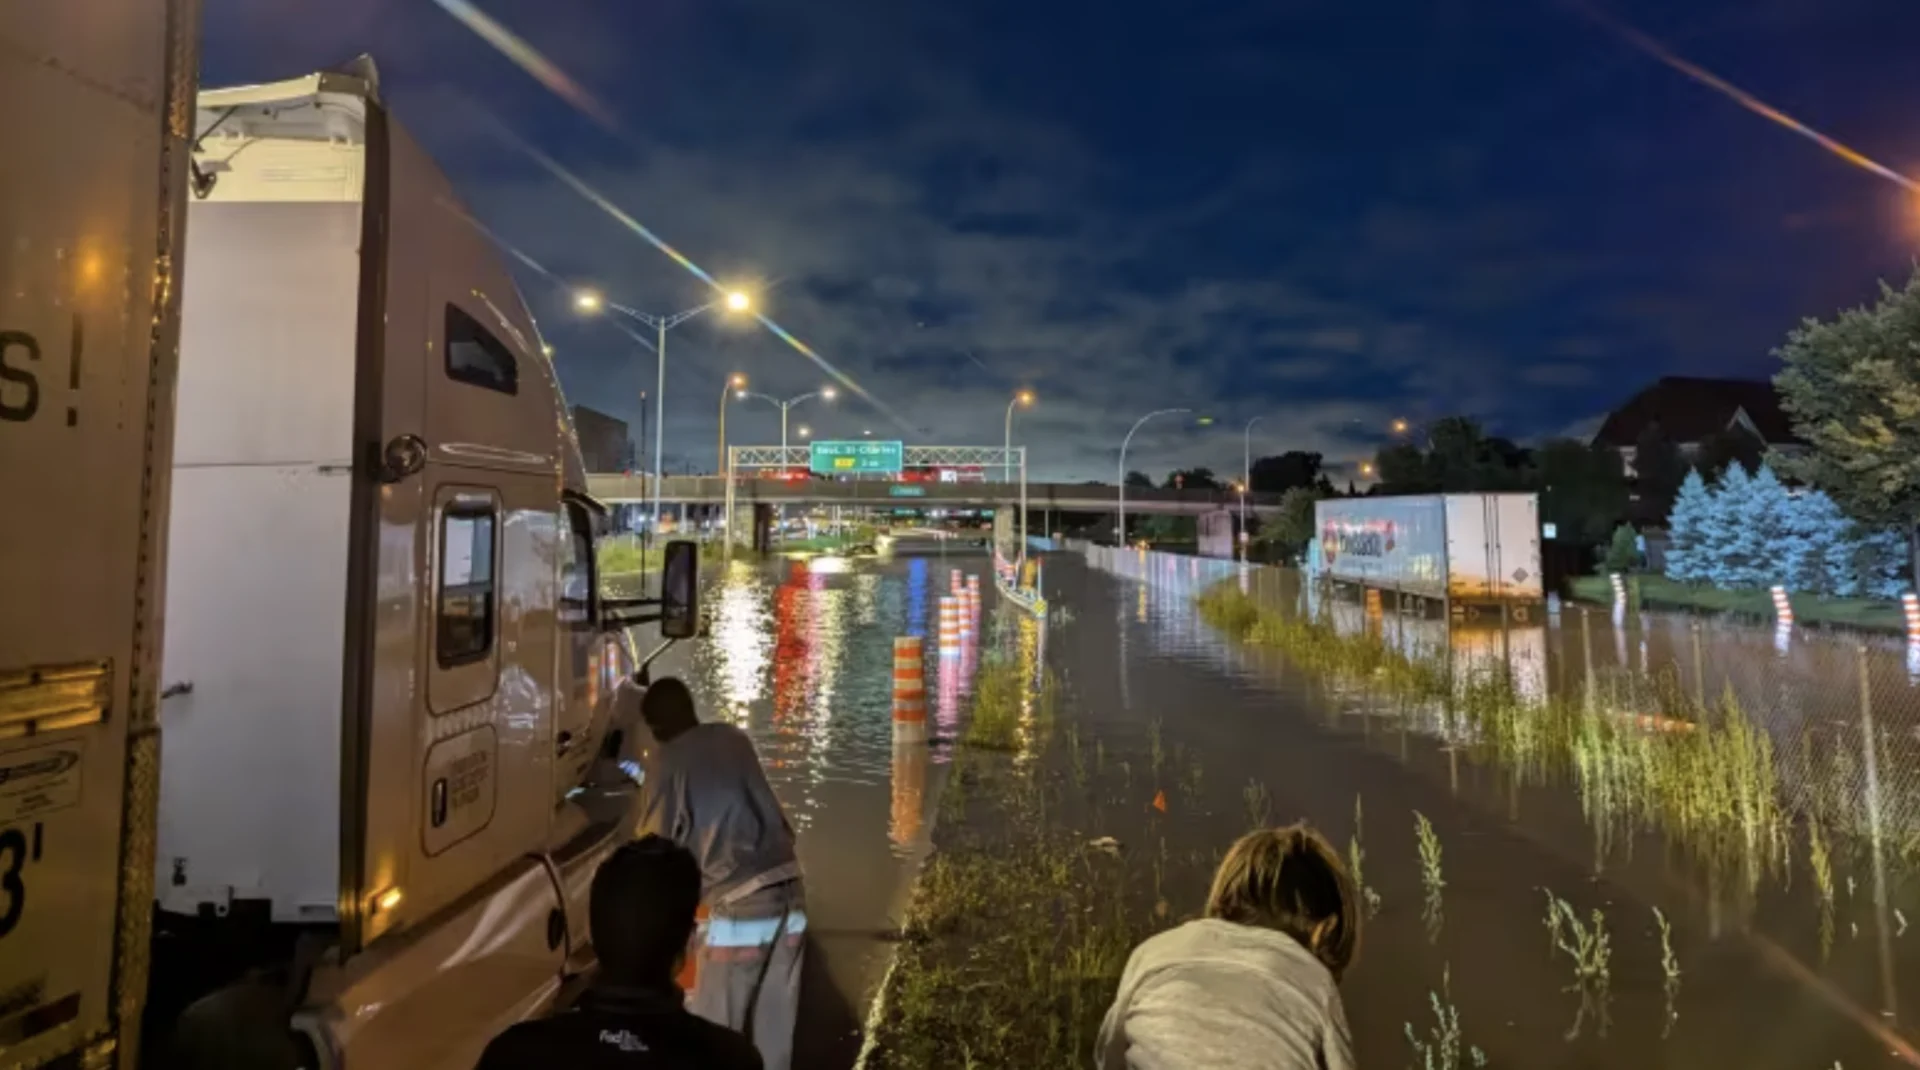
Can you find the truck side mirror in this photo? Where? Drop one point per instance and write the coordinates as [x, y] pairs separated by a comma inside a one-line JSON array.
[[680, 590]]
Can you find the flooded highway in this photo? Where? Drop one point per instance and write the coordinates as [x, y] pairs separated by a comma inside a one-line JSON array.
[[1515, 921], [800, 656]]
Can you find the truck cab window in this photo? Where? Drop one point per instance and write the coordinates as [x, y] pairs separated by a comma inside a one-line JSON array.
[[477, 357], [466, 596], [577, 568]]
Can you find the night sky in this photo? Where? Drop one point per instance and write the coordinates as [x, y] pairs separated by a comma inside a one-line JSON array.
[[1327, 214]]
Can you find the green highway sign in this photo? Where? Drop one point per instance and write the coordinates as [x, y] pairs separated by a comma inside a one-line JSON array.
[[857, 458], [907, 490]]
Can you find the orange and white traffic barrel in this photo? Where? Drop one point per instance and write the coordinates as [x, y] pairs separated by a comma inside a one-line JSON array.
[[949, 626], [1782, 609], [909, 692], [1910, 603]]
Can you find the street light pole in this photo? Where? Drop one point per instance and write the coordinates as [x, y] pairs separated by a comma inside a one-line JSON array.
[[733, 383], [659, 416], [824, 392], [589, 301], [1246, 481], [1122, 539], [1024, 397]]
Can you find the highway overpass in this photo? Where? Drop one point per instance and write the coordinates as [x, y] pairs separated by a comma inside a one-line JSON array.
[[619, 488]]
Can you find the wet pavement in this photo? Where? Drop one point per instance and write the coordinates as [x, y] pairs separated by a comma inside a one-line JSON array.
[[800, 656]]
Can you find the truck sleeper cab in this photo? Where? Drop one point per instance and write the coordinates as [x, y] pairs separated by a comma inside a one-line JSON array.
[[385, 671]]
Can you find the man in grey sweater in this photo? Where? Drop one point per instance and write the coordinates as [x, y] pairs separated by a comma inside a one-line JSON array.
[[1253, 984], [706, 791]]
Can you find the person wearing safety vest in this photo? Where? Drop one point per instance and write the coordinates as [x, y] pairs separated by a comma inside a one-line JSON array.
[[706, 791]]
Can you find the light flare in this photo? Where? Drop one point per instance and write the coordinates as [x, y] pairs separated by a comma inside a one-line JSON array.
[[1740, 96], [530, 59], [594, 197]]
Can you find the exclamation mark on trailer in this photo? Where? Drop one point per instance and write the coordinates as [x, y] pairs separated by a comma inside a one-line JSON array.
[[73, 370]]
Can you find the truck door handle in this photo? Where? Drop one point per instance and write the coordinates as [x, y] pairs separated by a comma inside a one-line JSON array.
[[563, 743]]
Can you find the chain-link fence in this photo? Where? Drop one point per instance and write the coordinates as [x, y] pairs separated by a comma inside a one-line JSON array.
[[1820, 696]]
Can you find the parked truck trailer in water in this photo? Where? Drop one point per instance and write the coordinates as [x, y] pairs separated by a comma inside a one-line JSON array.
[[1459, 548]]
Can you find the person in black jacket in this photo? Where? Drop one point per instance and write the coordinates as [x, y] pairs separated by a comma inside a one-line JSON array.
[[632, 1018]]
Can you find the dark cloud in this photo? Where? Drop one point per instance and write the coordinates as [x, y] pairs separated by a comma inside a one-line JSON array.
[[1244, 209]]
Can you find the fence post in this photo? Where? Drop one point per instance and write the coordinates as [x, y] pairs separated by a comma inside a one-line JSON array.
[[1586, 650], [1506, 647], [1870, 744], [1699, 673]]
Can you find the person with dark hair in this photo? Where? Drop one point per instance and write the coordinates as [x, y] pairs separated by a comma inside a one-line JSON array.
[[705, 790], [1255, 982], [641, 910]]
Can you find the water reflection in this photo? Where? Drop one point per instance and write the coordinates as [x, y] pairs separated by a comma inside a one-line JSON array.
[[800, 656]]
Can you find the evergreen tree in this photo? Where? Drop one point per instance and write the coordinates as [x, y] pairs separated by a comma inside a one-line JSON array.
[[1724, 551], [1879, 558], [1623, 550], [1687, 552], [1757, 551], [1816, 545]]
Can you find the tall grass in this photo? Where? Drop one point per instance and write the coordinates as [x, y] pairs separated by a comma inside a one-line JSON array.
[[1711, 781]]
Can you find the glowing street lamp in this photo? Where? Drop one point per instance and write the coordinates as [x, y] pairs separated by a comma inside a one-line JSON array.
[[826, 392], [592, 302], [1024, 397]]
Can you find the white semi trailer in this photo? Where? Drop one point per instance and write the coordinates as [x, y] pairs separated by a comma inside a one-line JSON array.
[[1458, 548], [262, 382]]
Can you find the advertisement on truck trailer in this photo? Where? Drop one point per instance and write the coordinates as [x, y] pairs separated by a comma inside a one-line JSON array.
[[1459, 547]]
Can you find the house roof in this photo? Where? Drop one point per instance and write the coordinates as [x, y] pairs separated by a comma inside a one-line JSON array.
[[1690, 410]]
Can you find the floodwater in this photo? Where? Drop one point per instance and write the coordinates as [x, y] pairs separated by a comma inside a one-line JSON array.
[[801, 657], [1753, 986], [801, 653]]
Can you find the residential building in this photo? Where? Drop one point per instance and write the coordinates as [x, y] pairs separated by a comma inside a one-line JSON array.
[[1692, 412]]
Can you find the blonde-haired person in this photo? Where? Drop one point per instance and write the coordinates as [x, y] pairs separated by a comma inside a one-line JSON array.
[[1255, 982]]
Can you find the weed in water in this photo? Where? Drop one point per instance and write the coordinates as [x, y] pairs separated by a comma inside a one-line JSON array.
[[1588, 947], [1430, 876], [1156, 749], [1670, 968], [1259, 804], [1190, 784], [1074, 755], [1821, 861], [1440, 1048], [1356, 859], [998, 694], [1591, 951]]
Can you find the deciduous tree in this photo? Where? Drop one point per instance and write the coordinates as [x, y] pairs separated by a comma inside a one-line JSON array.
[[1852, 388]]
